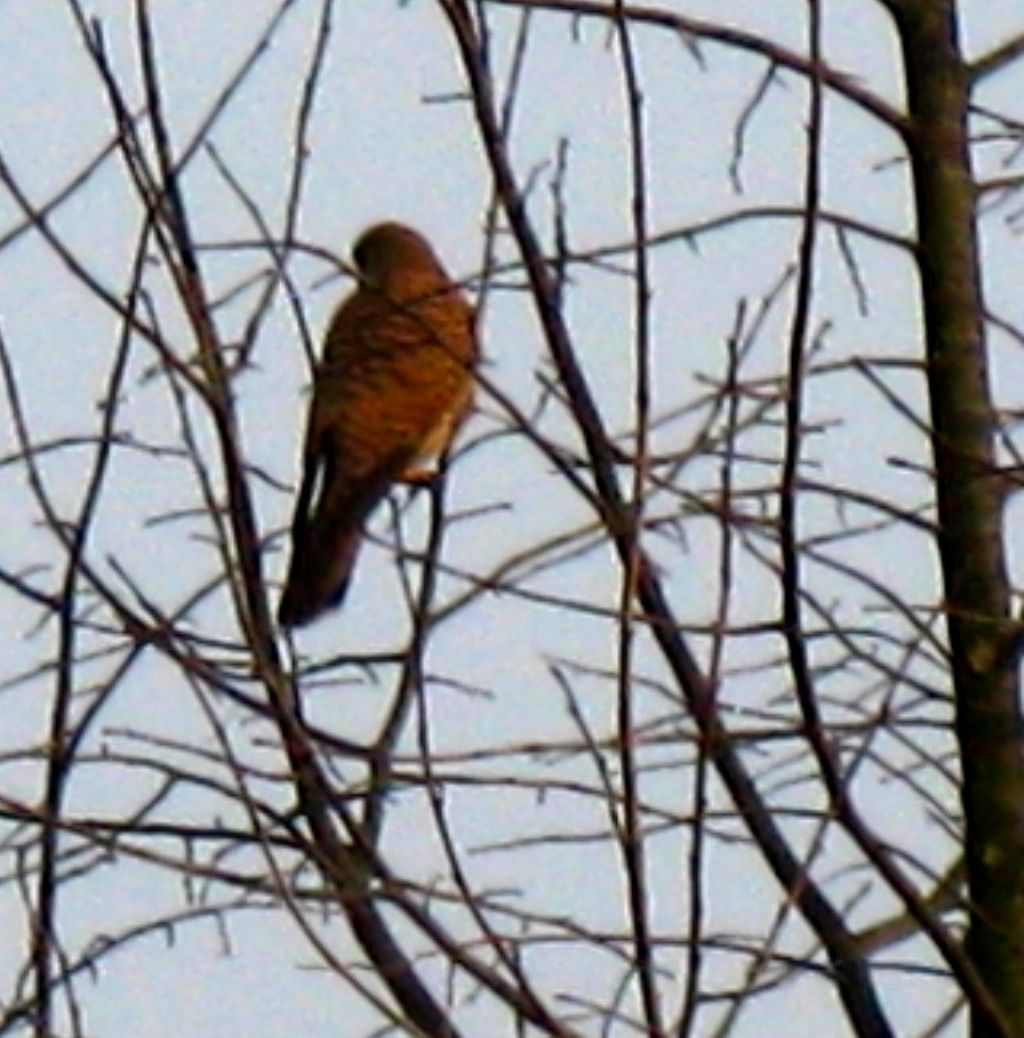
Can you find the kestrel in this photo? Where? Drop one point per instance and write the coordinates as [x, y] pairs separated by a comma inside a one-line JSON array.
[[394, 382]]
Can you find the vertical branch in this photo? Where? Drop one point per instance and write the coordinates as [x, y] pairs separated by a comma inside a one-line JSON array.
[[694, 956], [248, 587], [61, 740], [789, 541], [983, 640], [632, 843]]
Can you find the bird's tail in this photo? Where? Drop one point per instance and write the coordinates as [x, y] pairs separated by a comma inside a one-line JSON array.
[[320, 571]]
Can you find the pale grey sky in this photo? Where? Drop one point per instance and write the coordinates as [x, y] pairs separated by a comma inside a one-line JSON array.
[[391, 138]]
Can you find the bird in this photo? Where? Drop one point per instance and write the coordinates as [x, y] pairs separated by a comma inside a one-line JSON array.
[[393, 385]]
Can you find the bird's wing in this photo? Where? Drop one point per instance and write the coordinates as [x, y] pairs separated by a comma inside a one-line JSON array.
[[391, 377]]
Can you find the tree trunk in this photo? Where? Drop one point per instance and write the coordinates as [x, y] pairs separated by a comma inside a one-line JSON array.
[[983, 639]]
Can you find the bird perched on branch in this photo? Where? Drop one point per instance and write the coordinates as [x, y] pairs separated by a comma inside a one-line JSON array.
[[394, 382]]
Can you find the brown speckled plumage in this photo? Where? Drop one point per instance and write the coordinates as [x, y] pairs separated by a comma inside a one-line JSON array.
[[392, 386]]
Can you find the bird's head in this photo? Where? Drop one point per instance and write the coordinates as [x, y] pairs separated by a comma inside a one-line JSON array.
[[390, 251]]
